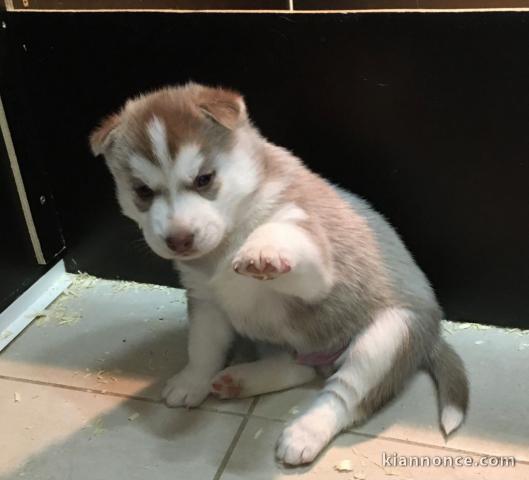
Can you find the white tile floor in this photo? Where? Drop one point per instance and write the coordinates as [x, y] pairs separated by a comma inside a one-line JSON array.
[[79, 399]]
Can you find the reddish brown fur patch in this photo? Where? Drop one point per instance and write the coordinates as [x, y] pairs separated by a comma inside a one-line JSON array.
[[187, 114], [99, 136], [182, 121], [224, 106]]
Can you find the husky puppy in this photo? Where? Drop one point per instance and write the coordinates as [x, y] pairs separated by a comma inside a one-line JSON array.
[[271, 251]]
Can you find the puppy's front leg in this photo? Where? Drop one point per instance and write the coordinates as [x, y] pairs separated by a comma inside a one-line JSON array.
[[289, 256], [210, 336]]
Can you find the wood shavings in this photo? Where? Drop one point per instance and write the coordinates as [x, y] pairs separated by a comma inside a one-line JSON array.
[[517, 331], [448, 327], [69, 293], [463, 326], [359, 476], [479, 342], [60, 314], [42, 317], [69, 319], [258, 434], [98, 427], [178, 300], [5, 334], [387, 472], [344, 466], [123, 286], [84, 280], [451, 327], [479, 326], [80, 282], [151, 364], [17, 397], [133, 417], [100, 377], [294, 410]]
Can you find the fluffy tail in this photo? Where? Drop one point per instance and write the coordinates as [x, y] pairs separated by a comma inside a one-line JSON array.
[[448, 372]]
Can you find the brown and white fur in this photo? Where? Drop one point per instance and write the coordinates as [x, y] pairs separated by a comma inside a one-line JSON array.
[[273, 252]]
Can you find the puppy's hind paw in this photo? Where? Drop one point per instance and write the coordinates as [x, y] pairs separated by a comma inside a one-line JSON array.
[[226, 386], [299, 444]]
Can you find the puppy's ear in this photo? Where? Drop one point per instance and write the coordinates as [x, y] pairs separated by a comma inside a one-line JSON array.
[[101, 137], [225, 107]]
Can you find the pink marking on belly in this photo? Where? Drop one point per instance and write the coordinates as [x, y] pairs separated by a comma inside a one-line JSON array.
[[320, 359]]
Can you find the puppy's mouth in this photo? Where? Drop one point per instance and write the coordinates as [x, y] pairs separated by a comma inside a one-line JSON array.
[[192, 253], [189, 255]]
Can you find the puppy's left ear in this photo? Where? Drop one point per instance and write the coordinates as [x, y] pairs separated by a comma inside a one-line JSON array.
[[225, 107], [101, 137]]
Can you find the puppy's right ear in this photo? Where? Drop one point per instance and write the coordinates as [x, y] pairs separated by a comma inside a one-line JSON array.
[[101, 137]]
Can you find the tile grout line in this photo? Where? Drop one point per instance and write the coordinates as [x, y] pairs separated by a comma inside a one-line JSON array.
[[400, 440], [432, 446], [78, 389], [112, 394], [235, 439], [245, 419]]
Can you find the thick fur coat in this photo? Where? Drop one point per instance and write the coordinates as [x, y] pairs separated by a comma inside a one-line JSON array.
[[271, 251]]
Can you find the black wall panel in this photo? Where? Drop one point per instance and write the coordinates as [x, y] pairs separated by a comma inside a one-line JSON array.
[[16, 87], [18, 266], [425, 115]]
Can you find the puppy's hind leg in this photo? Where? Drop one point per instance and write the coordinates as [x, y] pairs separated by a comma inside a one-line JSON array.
[[270, 374], [365, 364]]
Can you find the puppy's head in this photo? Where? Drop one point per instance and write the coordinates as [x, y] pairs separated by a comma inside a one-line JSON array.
[[181, 159]]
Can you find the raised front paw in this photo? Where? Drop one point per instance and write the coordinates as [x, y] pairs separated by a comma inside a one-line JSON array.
[[262, 262], [300, 443], [186, 389]]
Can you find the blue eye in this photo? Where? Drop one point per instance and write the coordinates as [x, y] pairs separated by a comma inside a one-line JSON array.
[[144, 192], [203, 180]]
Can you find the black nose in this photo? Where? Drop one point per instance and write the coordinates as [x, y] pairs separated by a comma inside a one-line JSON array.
[[180, 242]]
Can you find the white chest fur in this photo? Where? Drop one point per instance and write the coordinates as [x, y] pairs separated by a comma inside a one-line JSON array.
[[253, 309]]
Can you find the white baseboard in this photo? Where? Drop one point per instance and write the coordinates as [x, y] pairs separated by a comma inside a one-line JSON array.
[[23, 310]]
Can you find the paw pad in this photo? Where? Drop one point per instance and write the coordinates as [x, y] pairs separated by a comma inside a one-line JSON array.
[[261, 263], [226, 387]]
